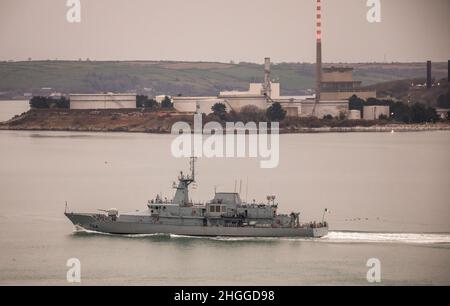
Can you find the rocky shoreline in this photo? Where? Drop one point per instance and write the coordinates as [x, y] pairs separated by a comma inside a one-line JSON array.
[[133, 121], [374, 129]]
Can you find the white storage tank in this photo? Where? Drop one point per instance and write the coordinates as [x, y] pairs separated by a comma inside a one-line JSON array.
[[354, 114]]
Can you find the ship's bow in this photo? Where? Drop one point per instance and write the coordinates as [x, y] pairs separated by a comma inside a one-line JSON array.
[[83, 220]]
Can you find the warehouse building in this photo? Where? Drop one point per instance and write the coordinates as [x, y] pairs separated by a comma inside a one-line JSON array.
[[375, 112], [102, 101]]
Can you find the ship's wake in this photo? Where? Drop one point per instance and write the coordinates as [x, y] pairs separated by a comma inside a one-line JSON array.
[[369, 237], [332, 237], [348, 237]]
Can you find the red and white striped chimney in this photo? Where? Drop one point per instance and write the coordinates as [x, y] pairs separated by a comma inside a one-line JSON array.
[[318, 50], [319, 21]]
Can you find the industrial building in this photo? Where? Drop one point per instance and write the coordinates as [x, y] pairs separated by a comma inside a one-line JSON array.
[[262, 95], [443, 113], [334, 86], [354, 114], [102, 101], [375, 112], [161, 98], [338, 84]]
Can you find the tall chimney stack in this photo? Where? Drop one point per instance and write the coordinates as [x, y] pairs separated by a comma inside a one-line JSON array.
[[267, 86], [318, 52], [429, 83]]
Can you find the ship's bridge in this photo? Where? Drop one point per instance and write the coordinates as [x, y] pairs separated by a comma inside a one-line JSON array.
[[231, 199], [223, 203]]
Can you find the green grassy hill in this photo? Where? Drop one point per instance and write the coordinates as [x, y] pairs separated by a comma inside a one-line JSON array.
[[173, 78]]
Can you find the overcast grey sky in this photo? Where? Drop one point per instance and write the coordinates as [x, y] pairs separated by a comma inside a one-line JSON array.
[[224, 30]]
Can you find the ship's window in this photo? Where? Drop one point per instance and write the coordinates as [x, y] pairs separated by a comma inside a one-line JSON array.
[[224, 208], [212, 208]]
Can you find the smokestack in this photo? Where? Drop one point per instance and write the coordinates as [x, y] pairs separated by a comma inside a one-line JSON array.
[[318, 50], [428, 74], [267, 87]]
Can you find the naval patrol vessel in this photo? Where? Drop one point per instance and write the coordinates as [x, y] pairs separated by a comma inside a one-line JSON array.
[[226, 215]]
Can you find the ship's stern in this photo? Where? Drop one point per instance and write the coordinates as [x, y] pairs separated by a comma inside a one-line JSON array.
[[319, 232]]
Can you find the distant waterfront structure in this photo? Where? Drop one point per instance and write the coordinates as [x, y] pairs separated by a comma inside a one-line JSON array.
[[337, 87], [374, 112], [261, 95], [161, 98], [442, 113], [267, 88], [334, 86], [354, 114], [103, 101], [338, 84], [318, 56]]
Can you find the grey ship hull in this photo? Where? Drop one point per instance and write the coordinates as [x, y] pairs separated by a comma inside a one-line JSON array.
[[89, 222]]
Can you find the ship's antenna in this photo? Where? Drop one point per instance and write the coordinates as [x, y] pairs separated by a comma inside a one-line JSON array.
[[192, 162], [240, 187], [235, 183]]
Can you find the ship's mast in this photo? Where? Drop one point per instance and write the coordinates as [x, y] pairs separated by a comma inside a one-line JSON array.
[[182, 194], [192, 164]]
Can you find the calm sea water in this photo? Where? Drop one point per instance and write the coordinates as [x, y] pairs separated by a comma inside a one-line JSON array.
[[388, 194], [9, 109]]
